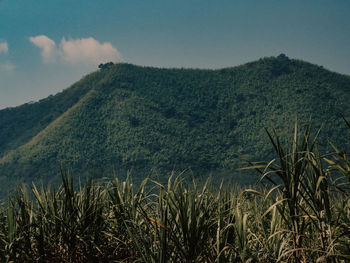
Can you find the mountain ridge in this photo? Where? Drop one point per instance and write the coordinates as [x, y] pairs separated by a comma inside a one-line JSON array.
[[132, 117]]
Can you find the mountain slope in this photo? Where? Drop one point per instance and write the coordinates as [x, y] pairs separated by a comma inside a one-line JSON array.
[[19, 124], [128, 117]]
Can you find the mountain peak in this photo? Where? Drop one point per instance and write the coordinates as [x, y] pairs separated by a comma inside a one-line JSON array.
[[126, 117]]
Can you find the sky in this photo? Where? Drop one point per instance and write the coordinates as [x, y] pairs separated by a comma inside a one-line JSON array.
[[47, 45]]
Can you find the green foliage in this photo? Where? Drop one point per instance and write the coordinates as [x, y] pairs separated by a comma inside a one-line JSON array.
[[299, 214], [302, 192], [126, 117], [106, 65]]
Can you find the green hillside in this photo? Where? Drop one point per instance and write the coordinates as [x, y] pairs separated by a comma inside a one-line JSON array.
[[127, 117]]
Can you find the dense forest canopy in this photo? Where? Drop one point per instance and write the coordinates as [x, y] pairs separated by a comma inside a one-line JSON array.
[[126, 117]]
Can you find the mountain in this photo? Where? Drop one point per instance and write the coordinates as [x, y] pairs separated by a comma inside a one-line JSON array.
[[126, 117]]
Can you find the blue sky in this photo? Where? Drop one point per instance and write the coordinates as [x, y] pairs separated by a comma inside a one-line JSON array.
[[47, 45]]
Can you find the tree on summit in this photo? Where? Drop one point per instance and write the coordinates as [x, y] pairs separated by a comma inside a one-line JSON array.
[[106, 65]]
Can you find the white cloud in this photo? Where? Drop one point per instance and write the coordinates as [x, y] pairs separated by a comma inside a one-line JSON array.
[[8, 66], [87, 51], [4, 48], [47, 45]]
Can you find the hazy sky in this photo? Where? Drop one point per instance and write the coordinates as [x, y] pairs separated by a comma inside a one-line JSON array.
[[47, 45]]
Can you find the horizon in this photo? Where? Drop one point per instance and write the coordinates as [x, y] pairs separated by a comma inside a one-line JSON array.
[[56, 44], [159, 67]]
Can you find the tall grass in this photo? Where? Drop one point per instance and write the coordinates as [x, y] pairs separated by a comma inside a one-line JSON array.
[[300, 213]]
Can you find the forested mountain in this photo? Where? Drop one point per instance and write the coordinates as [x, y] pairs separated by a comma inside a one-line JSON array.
[[126, 117]]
